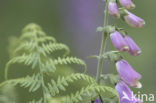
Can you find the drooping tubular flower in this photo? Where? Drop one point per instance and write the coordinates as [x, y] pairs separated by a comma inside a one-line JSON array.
[[97, 101], [125, 93], [133, 47], [113, 9], [118, 41], [128, 74], [133, 20], [128, 4]]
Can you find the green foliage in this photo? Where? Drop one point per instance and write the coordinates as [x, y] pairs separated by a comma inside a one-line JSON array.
[[8, 94], [110, 79], [38, 51], [35, 48], [89, 90], [33, 83], [39, 101], [70, 60], [63, 82]]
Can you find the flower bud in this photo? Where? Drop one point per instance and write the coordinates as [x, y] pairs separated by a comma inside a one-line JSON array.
[[128, 4], [134, 20], [118, 41], [113, 9], [125, 94], [133, 47], [128, 74]]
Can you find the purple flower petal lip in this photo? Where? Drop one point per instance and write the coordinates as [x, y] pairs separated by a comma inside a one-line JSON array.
[[113, 9], [133, 47], [128, 4], [125, 93], [134, 20], [97, 101], [118, 41], [128, 74]]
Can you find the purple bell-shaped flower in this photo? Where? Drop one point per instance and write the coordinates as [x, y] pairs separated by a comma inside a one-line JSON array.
[[128, 74], [113, 9], [133, 20], [97, 101], [133, 47], [128, 4], [119, 41], [125, 94]]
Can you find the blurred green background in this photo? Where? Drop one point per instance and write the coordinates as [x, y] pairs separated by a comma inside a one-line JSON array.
[[74, 23]]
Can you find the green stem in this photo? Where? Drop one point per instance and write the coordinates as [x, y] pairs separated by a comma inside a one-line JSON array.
[[43, 89], [103, 44]]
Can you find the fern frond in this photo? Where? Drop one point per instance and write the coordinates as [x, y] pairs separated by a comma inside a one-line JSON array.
[[33, 83], [90, 89], [70, 60], [27, 46], [31, 27], [33, 48], [63, 82], [26, 36], [44, 49], [32, 31], [45, 39], [47, 66], [26, 59], [31, 59], [39, 101], [51, 47]]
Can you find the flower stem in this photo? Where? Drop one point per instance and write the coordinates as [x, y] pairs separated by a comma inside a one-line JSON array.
[[103, 44]]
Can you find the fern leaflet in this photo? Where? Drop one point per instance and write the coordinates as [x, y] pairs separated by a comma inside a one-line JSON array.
[[63, 82]]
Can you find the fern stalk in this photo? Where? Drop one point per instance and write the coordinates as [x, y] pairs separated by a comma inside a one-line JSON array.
[[103, 44], [42, 76]]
